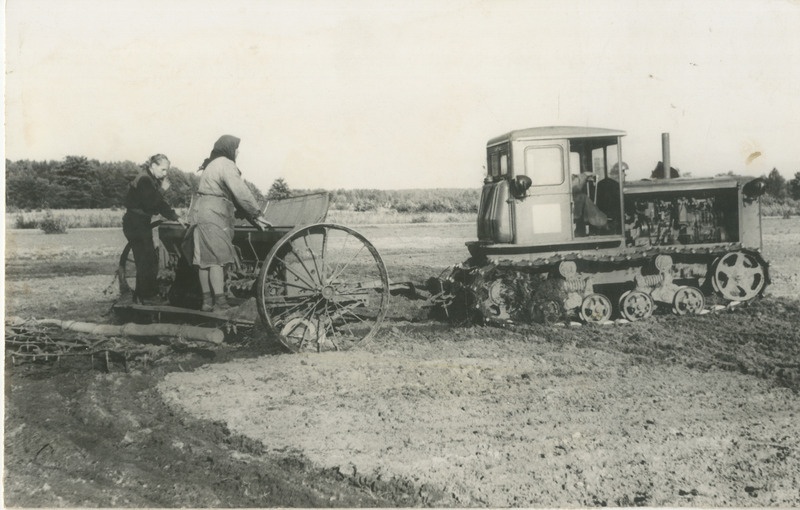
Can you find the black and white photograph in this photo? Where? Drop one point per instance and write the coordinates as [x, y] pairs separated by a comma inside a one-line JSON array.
[[366, 254]]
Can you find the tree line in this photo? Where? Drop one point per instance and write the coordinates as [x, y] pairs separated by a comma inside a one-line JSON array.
[[441, 200], [778, 187], [77, 182]]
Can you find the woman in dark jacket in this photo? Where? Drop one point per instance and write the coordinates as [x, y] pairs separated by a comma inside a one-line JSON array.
[[143, 201]]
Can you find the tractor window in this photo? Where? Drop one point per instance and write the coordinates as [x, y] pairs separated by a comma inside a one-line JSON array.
[[498, 161], [599, 162], [604, 160], [544, 165], [597, 155]]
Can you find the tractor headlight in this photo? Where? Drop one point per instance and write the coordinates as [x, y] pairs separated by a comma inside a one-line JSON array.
[[520, 185], [755, 188]]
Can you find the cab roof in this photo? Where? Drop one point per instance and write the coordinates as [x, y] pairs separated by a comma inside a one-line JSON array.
[[555, 132]]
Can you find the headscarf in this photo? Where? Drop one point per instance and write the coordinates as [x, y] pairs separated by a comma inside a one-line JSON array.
[[224, 147]]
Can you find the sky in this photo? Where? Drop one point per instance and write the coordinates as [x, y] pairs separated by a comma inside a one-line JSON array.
[[401, 94]]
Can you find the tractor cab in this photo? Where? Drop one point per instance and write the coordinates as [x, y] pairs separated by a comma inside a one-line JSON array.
[[552, 188]]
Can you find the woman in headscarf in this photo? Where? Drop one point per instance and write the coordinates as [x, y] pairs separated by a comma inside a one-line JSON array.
[[221, 193]]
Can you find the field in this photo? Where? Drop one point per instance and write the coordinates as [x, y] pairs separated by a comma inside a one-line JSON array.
[[698, 411]]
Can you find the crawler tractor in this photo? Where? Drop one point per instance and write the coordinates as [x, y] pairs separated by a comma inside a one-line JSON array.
[[562, 234]]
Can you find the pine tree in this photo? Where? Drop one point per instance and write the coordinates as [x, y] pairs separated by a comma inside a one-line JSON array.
[[279, 189], [794, 187], [776, 184]]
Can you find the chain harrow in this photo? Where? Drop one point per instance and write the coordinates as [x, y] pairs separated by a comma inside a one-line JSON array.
[[28, 342]]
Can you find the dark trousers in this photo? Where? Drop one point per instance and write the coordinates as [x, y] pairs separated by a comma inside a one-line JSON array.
[[140, 236]]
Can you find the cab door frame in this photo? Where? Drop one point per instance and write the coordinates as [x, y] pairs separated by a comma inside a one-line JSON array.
[[543, 215]]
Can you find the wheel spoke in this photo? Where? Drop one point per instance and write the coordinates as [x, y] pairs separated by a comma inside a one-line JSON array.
[[349, 309], [279, 282], [301, 260], [320, 275], [307, 317], [342, 266], [335, 276], [335, 264], [363, 321], [750, 274], [292, 310], [733, 260], [289, 300], [292, 336], [286, 266], [340, 315], [279, 319], [332, 330], [740, 291], [344, 310]]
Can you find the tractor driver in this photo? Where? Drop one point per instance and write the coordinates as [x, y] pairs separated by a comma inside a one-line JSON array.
[[608, 195], [584, 211]]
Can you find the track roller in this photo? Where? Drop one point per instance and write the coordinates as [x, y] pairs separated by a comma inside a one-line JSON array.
[[636, 305], [596, 308], [688, 301]]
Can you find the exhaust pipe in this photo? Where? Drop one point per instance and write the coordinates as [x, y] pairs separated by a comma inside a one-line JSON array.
[[665, 155]]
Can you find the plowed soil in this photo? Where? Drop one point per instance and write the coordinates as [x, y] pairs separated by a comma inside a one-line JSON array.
[[674, 411]]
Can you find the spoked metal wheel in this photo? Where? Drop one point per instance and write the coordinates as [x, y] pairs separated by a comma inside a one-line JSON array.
[[739, 276], [322, 287], [596, 308], [126, 269], [126, 275], [126, 272], [688, 301], [636, 305]]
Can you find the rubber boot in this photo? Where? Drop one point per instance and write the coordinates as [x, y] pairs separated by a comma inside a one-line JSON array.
[[208, 304], [221, 303]]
